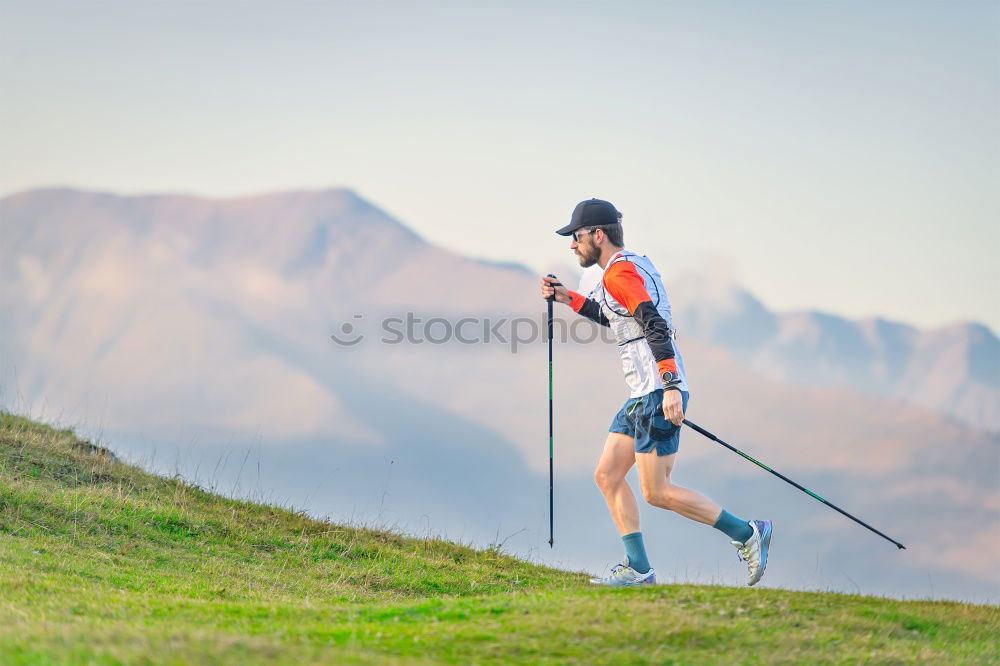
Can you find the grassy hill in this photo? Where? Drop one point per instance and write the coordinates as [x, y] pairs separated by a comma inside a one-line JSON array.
[[103, 563]]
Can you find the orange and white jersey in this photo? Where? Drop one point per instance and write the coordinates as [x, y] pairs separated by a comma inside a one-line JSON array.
[[631, 300]]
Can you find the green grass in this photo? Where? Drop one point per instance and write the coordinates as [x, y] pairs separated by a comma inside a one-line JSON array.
[[103, 563]]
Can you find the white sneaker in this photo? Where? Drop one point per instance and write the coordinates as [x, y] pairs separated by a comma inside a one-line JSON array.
[[623, 575], [754, 551]]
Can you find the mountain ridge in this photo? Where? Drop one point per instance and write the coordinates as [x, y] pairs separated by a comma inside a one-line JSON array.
[[876, 356], [312, 193]]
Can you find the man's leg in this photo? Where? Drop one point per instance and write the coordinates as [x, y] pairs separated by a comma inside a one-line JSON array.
[[657, 440], [654, 479], [656, 451], [616, 460], [752, 539]]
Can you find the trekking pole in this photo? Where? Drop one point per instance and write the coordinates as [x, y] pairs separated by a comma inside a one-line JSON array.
[[786, 479], [550, 300]]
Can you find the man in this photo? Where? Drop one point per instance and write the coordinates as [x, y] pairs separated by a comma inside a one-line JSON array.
[[631, 300]]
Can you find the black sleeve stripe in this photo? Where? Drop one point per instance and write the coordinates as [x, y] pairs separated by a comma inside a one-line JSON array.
[[591, 309], [656, 330]]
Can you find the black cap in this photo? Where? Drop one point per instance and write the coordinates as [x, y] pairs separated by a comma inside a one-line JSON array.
[[591, 213]]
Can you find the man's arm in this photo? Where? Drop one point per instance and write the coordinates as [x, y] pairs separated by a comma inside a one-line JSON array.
[[587, 307], [623, 281]]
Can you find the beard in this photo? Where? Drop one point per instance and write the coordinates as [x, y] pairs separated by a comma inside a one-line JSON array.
[[588, 255]]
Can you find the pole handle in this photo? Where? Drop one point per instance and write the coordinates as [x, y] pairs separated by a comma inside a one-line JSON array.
[[552, 298]]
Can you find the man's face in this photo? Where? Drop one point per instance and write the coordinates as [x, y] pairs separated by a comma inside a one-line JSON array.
[[585, 248]]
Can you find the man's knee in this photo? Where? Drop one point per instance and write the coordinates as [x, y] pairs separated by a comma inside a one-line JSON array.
[[606, 479], [662, 496]]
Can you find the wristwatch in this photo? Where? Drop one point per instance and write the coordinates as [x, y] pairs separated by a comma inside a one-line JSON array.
[[671, 381]]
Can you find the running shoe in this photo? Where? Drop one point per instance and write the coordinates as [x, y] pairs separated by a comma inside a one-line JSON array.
[[623, 575], [754, 551]]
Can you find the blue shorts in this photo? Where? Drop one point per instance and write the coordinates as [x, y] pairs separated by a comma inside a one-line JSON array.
[[642, 419]]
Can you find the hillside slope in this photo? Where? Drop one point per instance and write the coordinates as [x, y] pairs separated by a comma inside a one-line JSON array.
[[102, 563]]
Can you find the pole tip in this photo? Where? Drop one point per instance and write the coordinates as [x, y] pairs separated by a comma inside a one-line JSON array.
[[550, 543], [901, 546]]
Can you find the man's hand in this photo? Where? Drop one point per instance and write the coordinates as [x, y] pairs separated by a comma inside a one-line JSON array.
[[673, 407], [561, 293]]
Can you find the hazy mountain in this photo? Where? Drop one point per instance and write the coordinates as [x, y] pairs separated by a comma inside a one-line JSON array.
[[199, 330], [955, 369]]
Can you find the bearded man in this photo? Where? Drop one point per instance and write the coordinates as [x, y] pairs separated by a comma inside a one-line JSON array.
[[631, 300]]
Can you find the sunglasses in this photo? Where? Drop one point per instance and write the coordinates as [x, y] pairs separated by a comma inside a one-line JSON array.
[[577, 234]]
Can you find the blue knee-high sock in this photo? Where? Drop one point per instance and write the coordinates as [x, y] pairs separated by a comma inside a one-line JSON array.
[[636, 552], [736, 529]]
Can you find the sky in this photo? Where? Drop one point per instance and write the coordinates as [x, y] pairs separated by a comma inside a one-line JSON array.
[[834, 156]]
